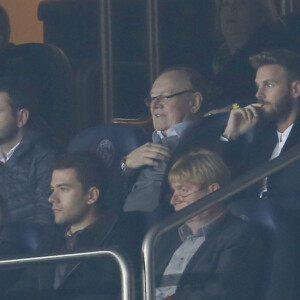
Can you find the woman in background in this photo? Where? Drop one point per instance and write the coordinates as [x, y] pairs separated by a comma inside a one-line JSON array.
[[245, 27]]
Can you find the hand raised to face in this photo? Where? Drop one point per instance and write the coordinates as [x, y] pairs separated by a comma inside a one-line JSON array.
[[242, 120]]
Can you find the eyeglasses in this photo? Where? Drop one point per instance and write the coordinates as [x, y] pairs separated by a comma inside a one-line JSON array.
[[187, 195], [165, 98]]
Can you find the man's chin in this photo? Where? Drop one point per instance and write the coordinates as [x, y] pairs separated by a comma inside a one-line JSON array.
[[3, 140], [268, 114]]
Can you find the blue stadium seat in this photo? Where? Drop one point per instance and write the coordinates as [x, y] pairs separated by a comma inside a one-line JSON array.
[[20, 238], [111, 141], [280, 275], [49, 69]]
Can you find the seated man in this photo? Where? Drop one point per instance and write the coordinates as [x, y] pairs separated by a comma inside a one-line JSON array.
[[274, 123], [175, 101], [213, 255], [78, 180], [26, 154]]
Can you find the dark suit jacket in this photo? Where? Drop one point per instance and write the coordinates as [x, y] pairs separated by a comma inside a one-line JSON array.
[[283, 186], [229, 265], [87, 279]]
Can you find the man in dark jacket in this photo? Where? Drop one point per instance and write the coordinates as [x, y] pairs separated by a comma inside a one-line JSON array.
[[26, 154], [78, 181], [275, 127], [214, 255]]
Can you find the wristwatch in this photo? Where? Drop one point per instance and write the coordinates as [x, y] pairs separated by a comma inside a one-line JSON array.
[[124, 167]]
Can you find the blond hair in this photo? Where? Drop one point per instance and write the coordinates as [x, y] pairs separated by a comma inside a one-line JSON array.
[[200, 167]]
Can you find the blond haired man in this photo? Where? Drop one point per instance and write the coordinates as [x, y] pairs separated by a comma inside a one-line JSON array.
[[213, 255]]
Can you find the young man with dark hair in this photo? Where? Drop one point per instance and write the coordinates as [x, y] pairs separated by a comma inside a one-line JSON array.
[[275, 122], [26, 154], [274, 126], [78, 185]]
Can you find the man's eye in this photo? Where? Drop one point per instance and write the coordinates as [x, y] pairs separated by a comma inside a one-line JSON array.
[[270, 85], [64, 189]]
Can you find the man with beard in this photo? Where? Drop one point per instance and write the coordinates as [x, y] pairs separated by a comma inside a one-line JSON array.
[[26, 154], [274, 124], [273, 121]]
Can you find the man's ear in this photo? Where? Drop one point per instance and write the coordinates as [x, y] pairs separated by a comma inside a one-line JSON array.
[[296, 89], [23, 116], [93, 195], [196, 102], [212, 188]]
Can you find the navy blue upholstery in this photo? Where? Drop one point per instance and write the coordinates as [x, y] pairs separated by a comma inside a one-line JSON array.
[[20, 238], [50, 70], [279, 281], [111, 141]]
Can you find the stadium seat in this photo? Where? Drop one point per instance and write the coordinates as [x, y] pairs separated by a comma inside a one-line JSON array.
[[49, 68], [111, 141]]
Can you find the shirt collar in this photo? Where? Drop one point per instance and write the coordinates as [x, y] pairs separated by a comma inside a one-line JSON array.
[[9, 154], [282, 137], [176, 130], [185, 232]]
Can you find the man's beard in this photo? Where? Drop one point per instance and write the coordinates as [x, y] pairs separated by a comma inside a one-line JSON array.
[[281, 111], [8, 133]]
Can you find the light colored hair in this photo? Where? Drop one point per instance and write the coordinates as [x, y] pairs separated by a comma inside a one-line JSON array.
[[200, 167], [266, 8]]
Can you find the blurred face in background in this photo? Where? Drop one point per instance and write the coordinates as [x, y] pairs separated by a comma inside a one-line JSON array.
[[239, 19]]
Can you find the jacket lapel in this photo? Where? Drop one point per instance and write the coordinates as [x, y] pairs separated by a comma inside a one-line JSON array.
[[90, 240], [294, 137]]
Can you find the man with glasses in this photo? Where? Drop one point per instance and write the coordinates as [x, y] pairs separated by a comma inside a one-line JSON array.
[[175, 100], [214, 255]]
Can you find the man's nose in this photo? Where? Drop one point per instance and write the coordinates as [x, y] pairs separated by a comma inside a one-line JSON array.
[[174, 198], [52, 198], [259, 94], [156, 103]]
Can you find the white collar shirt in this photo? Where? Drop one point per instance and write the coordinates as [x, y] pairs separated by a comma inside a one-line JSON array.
[[9, 154]]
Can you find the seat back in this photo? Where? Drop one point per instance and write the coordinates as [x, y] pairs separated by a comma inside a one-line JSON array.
[[50, 70], [21, 238], [280, 273], [111, 141]]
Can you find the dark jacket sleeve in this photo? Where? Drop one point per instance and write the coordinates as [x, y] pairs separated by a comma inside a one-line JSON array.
[[237, 275]]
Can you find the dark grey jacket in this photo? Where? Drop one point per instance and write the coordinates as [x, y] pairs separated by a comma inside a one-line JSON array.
[[25, 179]]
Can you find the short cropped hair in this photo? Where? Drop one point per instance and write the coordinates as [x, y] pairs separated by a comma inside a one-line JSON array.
[[90, 169], [197, 81], [4, 25], [287, 59], [200, 167]]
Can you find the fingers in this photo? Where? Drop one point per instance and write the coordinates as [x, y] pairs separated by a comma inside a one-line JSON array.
[[241, 120], [249, 113], [147, 155]]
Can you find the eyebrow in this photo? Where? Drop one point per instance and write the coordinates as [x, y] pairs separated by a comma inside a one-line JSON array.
[[61, 185], [267, 80]]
